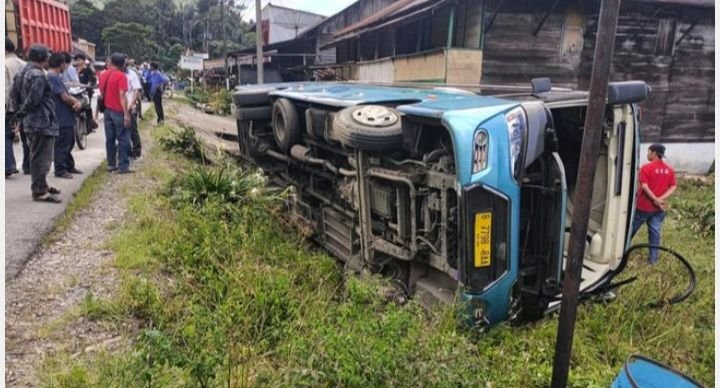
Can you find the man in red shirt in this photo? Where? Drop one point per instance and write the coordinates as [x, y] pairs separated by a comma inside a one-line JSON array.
[[113, 86], [657, 184]]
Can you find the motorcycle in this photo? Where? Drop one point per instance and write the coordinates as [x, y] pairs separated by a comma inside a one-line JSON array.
[[83, 116]]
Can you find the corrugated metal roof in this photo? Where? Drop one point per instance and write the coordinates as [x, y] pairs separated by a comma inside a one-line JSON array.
[[404, 13], [388, 12], [692, 3]]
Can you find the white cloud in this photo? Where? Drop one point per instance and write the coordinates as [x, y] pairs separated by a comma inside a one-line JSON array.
[[326, 8]]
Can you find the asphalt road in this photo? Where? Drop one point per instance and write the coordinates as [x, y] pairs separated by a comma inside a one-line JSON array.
[[27, 221]]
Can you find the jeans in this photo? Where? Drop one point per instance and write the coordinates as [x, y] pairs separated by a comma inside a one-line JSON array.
[[654, 222], [64, 161], [117, 141], [157, 99], [10, 165], [41, 156], [135, 135]]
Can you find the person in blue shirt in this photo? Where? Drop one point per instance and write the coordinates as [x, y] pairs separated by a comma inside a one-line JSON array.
[[144, 75], [157, 81], [65, 108], [69, 74]]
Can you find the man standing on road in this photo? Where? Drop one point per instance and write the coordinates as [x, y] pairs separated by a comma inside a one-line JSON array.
[[133, 95], [157, 82], [32, 95], [69, 74], [657, 184], [113, 87], [87, 77], [13, 66], [65, 108], [145, 75], [132, 67]]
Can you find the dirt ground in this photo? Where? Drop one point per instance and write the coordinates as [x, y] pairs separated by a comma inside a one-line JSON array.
[[42, 303]]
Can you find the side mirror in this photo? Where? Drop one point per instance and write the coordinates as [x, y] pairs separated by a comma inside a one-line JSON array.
[[627, 92]]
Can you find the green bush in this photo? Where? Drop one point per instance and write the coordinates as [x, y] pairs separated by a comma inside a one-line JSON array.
[[220, 101], [226, 184], [185, 142]]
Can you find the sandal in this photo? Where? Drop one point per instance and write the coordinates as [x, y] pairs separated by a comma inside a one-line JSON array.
[[52, 190], [47, 197]]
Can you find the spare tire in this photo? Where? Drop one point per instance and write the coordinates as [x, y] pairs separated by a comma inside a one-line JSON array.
[[286, 124], [369, 127], [252, 97]]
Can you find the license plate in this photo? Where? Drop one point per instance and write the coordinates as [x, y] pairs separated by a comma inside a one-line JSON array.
[[483, 226]]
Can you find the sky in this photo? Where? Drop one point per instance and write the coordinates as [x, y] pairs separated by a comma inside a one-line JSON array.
[[322, 7]]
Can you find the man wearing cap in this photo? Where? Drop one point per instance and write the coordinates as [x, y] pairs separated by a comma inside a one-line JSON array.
[[657, 184], [33, 97], [65, 108], [113, 88]]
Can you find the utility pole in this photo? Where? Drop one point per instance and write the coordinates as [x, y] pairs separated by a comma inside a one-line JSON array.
[[224, 45], [594, 120], [258, 42]]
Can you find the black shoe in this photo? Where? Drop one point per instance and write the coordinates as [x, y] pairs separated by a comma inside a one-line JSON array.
[[74, 171], [112, 169], [64, 175], [128, 171]]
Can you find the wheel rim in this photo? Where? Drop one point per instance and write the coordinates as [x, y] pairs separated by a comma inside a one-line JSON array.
[[280, 127], [375, 116]]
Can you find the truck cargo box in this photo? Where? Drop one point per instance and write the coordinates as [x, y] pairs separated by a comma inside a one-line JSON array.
[[38, 21]]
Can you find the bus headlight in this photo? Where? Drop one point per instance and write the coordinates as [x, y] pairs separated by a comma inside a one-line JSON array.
[[516, 121]]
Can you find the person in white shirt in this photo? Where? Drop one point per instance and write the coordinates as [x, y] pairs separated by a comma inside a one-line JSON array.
[[70, 74], [133, 93], [13, 66]]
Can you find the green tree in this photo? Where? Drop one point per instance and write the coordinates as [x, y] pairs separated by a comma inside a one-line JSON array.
[[87, 21], [132, 39]]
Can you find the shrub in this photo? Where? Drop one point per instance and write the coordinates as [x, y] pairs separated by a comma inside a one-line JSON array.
[[185, 142], [226, 185], [699, 217], [220, 101]]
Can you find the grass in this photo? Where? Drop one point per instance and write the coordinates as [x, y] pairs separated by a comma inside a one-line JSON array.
[[81, 200], [229, 295]]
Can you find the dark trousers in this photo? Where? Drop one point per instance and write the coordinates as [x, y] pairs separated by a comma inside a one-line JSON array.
[[146, 90], [10, 165], [26, 151], [139, 107], [136, 149], [64, 161], [117, 141], [157, 100], [41, 156]]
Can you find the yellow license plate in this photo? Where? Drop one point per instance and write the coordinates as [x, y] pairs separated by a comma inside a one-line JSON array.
[[483, 226]]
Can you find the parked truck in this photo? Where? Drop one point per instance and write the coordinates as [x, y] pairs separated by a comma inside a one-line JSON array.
[[456, 196], [38, 21]]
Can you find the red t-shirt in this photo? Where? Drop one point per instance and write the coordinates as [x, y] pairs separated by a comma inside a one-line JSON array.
[[111, 83], [659, 177]]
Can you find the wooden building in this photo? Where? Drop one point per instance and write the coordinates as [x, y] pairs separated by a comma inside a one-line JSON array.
[[670, 44]]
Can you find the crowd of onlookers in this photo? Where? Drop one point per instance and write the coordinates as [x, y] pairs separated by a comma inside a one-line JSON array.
[[41, 112]]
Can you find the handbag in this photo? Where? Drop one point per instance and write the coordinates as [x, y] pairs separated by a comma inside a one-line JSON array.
[[100, 99]]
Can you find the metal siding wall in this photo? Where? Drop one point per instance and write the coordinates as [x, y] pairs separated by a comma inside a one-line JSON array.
[[512, 55], [681, 107]]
